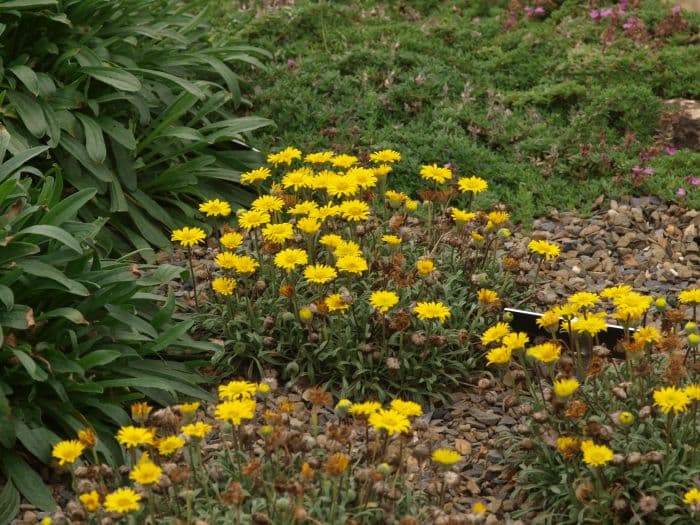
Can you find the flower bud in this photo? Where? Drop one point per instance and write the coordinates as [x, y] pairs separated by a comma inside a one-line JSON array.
[[508, 317], [342, 407], [661, 304], [384, 469], [694, 339], [626, 418], [504, 233], [691, 327]]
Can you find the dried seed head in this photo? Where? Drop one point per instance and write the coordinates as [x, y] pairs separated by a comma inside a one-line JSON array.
[[644, 412], [451, 478], [540, 416], [652, 457], [619, 504], [418, 339], [648, 504], [633, 458], [619, 392]]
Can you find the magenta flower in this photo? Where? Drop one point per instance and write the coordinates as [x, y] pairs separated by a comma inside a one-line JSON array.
[[595, 14], [676, 9], [670, 150], [681, 192], [629, 24], [693, 181], [636, 170], [539, 10], [605, 13], [648, 171]]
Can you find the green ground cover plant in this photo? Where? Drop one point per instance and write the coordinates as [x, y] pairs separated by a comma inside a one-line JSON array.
[[553, 108], [132, 100]]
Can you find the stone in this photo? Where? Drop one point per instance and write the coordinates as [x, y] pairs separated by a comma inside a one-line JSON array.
[[686, 130]]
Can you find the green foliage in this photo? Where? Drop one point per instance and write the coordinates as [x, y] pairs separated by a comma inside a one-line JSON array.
[[79, 336], [544, 105], [133, 101]]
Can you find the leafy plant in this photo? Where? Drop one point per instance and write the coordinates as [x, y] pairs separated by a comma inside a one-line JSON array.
[[79, 336], [132, 100]]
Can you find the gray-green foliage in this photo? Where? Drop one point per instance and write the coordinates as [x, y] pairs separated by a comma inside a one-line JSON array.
[[80, 337], [132, 100]]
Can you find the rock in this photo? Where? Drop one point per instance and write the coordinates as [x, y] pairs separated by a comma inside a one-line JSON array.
[[686, 130]]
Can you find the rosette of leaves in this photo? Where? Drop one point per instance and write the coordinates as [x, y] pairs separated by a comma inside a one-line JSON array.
[[80, 337], [133, 101]]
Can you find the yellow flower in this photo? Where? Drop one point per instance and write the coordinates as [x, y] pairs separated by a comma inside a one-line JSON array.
[[385, 156], [253, 219], [169, 445], [383, 300], [215, 208], [297, 179], [692, 496], [343, 161], [565, 387], [496, 218], [391, 240], [479, 508], [303, 208], [364, 409], [320, 157], [324, 212], [146, 472], [472, 184], [290, 258], [342, 407], [354, 210], [278, 233], [308, 225], [568, 444], [189, 408], [432, 310], [320, 273], [196, 430], [460, 216], [140, 411], [595, 455], [391, 421], [495, 333], [548, 250], [286, 156], [425, 267], [67, 451], [225, 260], [613, 292], [486, 296], [584, 299], [352, 264], [547, 352], [188, 236], [446, 457], [407, 408], [435, 173], [549, 320], [244, 264], [223, 286], [237, 390], [122, 500], [691, 296], [671, 399], [236, 411], [335, 303], [411, 205], [256, 175], [131, 436], [631, 307], [90, 500], [87, 437], [499, 355], [347, 249], [342, 186], [693, 392], [331, 240], [231, 240], [364, 177], [267, 203], [515, 341], [592, 324], [647, 334], [382, 170], [395, 196]]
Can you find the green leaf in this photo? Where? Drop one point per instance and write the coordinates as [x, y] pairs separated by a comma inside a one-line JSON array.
[[28, 482], [98, 358], [68, 208], [71, 314], [35, 371], [29, 110], [37, 440], [9, 498], [41, 269], [7, 297], [16, 162], [94, 140], [10, 5], [171, 335], [184, 84], [117, 78], [53, 232], [77, 150], [118, 132], [20, 317], [27, 76]]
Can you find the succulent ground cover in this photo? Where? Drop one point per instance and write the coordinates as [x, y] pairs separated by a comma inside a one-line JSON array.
[[555, 103]]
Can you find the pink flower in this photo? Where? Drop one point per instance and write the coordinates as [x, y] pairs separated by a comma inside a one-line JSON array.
[[648, 171], [291, 62], [681, 192], [630, 23], [595, 14], [528, 10], [539, 10], [693, 181], [636, 170], [605, 13], [670, 150], [676, 9]]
